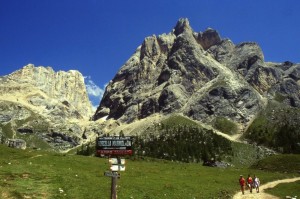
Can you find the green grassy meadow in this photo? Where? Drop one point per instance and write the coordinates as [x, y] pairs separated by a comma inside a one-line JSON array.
[[285, 189], [39, 174]]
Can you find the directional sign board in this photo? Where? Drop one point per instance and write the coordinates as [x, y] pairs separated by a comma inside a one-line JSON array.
[[111, 174], [114, 145], [117, 167], [115, 161]]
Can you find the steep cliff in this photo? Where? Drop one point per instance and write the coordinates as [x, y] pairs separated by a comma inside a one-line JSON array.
[[66, 87], [40, 102]]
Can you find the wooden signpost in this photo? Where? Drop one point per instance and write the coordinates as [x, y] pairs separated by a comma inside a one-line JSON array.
[[114, 147]]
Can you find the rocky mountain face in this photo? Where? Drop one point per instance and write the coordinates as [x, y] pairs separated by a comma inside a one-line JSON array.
[[47, 105], [200, 75], [66, 87]]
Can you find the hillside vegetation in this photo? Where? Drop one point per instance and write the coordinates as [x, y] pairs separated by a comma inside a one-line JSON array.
[[277, 126], [226, 126], [285, 163], [37, 174], [178, 138]]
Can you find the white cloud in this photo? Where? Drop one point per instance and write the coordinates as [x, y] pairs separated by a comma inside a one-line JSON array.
[[95, 92], [93, 89]]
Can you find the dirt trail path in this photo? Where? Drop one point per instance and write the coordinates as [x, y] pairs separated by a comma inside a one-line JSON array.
[[261, 194], [36, 156]]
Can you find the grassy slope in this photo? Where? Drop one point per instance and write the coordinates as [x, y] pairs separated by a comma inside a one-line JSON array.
[[286, 189], [276, 127], [242, 154], [225, 125], [280, 163], [38, 174]]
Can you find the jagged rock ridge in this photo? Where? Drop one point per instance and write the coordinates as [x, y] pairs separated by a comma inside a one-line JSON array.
[[200, 75]]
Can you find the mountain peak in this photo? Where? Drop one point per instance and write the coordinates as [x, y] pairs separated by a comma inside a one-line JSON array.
[[29, 66], [209, 38], [200, 75], [182, 25]]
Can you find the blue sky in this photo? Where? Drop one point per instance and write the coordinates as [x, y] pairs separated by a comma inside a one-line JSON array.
[[96, 37]]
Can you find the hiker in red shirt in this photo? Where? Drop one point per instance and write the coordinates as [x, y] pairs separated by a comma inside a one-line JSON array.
[[249, 183], [242, 183]]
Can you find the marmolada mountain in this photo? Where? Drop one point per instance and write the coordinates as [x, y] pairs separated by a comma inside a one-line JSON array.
[[199, 76]]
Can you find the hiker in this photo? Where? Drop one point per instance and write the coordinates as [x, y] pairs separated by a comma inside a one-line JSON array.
[[242, 183], [256, 183], [249, 183]]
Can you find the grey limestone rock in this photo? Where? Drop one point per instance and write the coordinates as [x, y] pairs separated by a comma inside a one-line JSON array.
[[16, 143], [209, 38], [200, 75]]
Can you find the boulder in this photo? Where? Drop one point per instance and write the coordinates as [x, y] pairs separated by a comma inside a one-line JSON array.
[[16, 143]]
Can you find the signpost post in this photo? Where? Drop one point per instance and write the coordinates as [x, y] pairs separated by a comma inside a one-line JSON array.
[[113, 191], [114, 147]]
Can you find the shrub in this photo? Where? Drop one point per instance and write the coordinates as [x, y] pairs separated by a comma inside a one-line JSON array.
[[226, 126]]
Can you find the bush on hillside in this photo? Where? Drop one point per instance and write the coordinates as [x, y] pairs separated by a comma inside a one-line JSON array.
[[226, 126], [86, 149]]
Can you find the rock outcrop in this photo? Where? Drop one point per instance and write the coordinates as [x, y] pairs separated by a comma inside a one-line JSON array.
[[16, 143], [38, 101], [200, 75], [66, 87]]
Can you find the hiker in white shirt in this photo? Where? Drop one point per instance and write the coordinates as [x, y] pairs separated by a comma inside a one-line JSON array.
[[256, 183]]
